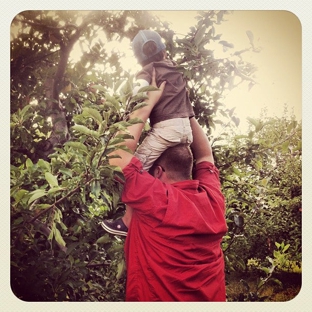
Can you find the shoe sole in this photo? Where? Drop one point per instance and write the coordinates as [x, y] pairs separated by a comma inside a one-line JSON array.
[[111, 231]]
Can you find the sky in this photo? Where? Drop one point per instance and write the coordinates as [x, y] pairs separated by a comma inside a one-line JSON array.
[[278, 33], [279, 63]]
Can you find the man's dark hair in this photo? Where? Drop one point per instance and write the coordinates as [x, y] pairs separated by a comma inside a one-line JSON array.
[[177, 162], [149, 49]]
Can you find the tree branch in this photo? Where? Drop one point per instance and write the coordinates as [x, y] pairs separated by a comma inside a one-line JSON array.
[[59, 201], [46, 26]]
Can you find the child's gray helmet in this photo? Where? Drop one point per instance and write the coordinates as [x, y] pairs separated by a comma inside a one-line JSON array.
[[141, 38]]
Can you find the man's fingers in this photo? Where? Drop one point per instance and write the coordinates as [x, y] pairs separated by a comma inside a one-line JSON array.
[[154, 96], [154, 78], [162, 86]]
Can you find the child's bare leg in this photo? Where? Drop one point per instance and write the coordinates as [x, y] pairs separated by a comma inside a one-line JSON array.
[[127, 216]]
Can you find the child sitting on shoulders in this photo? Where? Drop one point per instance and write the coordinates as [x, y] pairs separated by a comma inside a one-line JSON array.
[[169, 119]]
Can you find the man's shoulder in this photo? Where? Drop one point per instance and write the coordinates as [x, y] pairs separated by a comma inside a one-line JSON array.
[[134, 164], [204, 167], [204, 164], [135, 167]]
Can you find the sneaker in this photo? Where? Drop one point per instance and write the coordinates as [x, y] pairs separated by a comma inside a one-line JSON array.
[[116, 227]]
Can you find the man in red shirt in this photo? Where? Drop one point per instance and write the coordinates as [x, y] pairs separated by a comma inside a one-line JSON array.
[[173, 248]]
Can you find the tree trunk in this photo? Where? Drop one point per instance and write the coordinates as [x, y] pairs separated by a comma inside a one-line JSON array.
[[57, 116], [55, 110]]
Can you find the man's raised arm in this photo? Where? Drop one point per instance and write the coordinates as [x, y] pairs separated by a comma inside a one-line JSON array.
[[201, 147], [136, 129]]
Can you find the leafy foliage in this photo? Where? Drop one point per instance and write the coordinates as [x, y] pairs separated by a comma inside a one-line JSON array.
[[261, 179], [64, 120]]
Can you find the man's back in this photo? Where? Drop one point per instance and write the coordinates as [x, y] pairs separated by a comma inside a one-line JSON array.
[[173, 246]]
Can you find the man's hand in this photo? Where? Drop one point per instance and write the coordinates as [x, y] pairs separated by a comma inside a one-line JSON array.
[[153, 98], [136, 129]]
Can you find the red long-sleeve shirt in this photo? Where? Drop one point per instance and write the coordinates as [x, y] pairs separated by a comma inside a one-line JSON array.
[[173, 248]]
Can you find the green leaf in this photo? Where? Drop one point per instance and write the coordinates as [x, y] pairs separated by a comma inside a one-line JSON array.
[[63, 226], [121, 126], [66, 172], [259, 165], [286, 247], [148, 88], [277, 281], [44, 164], [43, 206], [50, 237], [118, 84], [71, 260], [138, 106], [241, 136], [29, 163], [72, 247], [236, 171], [264, 182], [77, 145], [52, 180], [235, 120], [19, 195], [276, 254], [134, 121], [226, 44], [24, 110], [291, 126], [103, 239], [98, 87], [58, 237], [93, 113], [120, 269], [84, 130], [116, 141], [124, 136], [266, 270], [18, 221], [199, 35], [96, 188], [285, 146], [253, 121], [127, 88], [111, 101], [111, 149], [259, 126], [55, 189], [139, 97], [270, 260], [250, 36], [36, 194]]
